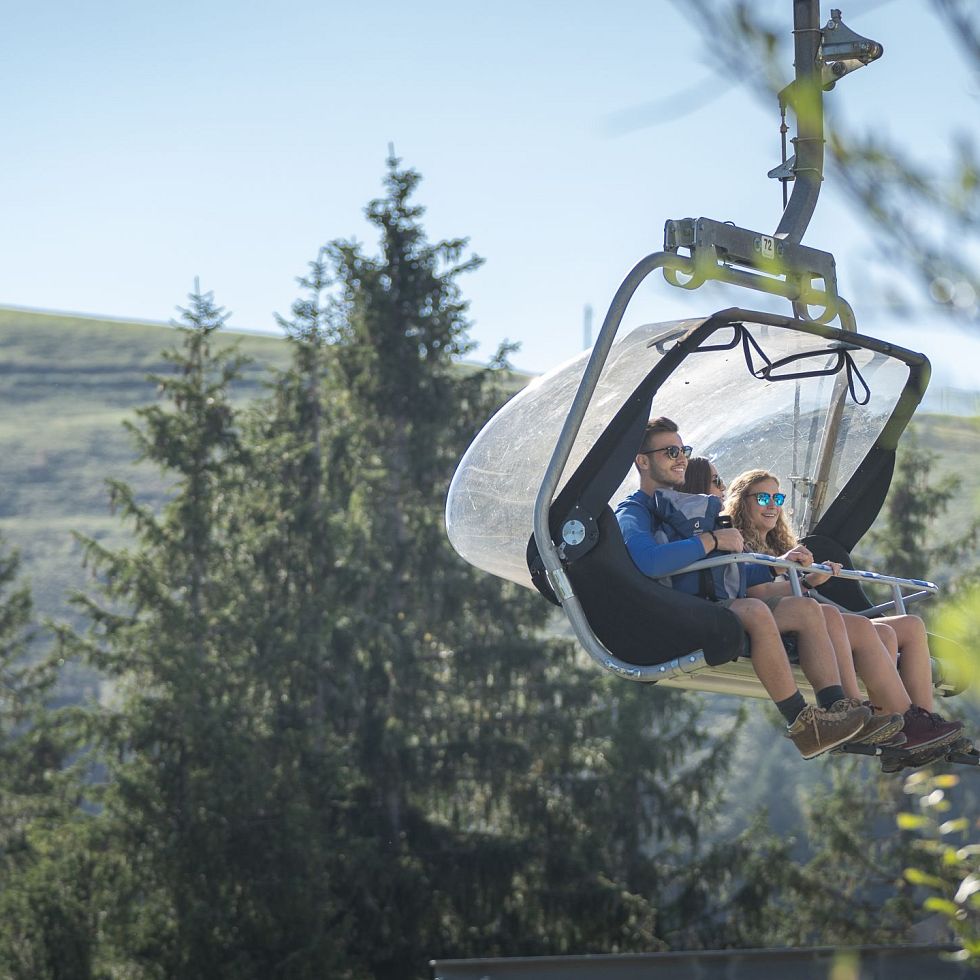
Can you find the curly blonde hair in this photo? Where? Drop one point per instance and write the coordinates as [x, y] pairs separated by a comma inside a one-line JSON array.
[[780, 539]]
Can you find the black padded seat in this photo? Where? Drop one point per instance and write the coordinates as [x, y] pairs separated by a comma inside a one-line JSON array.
[[640, 621]]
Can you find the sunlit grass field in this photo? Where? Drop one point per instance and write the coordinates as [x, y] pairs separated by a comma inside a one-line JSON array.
[[66, 385]]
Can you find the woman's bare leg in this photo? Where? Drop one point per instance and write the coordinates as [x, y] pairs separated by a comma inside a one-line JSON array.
[[914, 662], [796, 614], [837, 632], [875, 666]]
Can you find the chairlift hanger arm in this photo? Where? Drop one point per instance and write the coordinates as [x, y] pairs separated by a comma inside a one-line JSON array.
[[775, 264], [715, 246], [724, 252], [779, 264]]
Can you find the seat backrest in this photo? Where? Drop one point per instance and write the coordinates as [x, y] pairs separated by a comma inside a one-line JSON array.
[[844, 592]]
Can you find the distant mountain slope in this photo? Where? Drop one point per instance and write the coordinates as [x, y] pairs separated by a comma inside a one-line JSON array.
[[66, 384]]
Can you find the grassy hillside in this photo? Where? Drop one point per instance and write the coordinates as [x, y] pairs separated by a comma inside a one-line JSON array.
[[66, 385]]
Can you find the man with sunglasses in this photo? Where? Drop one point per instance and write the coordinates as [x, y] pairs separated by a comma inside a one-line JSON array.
[[662, 465]]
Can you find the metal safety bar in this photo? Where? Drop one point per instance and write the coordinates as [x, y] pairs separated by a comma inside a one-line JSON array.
[[692, 672], [795, 570]]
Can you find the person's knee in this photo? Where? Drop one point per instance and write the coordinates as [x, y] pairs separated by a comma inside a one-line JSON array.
[[888, 637], [914, 627], [832, 617], [803, 610], [862, 631], [753, 613]]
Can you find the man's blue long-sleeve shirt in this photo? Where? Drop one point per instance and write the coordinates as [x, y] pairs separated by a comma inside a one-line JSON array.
[[649, 555]]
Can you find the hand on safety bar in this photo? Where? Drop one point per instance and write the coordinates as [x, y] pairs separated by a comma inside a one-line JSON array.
[[795, 570]]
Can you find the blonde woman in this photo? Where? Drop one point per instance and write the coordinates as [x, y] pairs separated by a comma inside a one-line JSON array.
[[755, 505]]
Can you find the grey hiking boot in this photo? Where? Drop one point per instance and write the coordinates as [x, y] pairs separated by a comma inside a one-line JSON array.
[[817, 730], [880, 729], [896, 761]]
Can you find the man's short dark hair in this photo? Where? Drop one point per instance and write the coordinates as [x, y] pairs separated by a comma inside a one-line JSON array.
[[654, 427]]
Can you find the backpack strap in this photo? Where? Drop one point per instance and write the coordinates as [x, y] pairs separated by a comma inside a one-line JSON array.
[[676, 520]]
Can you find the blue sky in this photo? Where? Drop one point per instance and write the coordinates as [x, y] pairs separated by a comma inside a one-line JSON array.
[[146, 145]]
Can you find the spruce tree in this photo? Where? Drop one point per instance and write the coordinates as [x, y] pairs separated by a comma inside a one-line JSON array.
[[905, 537], [191, 800], [433, 643], [47, 923], [504, 791]]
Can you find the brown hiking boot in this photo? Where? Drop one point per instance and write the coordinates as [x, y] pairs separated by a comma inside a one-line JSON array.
[[880, 729], [817, 730]]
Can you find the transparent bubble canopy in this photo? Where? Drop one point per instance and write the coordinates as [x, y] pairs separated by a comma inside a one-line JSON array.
[[740, 421]]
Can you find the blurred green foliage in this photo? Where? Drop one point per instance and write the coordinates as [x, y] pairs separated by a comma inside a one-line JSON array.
[[949, 869]]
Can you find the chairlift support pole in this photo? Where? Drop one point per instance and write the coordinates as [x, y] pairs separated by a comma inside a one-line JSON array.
[[808, 169], [779, 263]]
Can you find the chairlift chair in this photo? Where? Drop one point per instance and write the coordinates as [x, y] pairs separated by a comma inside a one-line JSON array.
[[821, 404]]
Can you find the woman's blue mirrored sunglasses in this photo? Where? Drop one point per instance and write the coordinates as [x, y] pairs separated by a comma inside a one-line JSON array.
[[777, 498]]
